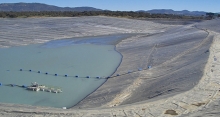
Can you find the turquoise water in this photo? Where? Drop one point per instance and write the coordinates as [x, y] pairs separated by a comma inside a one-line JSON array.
[[69, 59]]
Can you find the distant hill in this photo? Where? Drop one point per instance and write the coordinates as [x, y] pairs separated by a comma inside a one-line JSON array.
[[170, 11], [44, 7], [40, 7]]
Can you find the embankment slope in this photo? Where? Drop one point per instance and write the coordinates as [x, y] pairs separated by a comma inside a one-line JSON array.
[[172, 87]]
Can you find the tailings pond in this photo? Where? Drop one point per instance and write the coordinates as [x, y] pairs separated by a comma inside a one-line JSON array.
[[76, 66]]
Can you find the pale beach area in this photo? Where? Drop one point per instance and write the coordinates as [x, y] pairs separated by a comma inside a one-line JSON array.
[[169, 68]]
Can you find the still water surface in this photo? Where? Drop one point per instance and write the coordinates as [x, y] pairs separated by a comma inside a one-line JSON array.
[[56, 57]]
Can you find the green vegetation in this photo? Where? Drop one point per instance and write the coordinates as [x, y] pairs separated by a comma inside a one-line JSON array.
[[130, 14], [212, 15]]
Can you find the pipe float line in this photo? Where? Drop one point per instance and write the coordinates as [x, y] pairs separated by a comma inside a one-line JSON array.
[[139, 69], [13, 85], [98, 77], [129, 72]]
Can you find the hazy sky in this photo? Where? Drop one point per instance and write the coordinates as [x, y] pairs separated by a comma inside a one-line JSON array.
[[133, 5]]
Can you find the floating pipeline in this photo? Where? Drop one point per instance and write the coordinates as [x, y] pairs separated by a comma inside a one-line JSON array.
[[97, 77], [76, 76]]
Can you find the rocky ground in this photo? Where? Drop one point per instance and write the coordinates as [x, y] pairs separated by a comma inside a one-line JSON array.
[[182, 81]]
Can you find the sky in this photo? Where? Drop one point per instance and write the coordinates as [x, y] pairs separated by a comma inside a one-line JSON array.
[[133, 5]]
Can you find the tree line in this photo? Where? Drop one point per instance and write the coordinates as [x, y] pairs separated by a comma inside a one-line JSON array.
[[127, 14]]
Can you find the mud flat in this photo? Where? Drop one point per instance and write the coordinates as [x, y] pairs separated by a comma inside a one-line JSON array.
[[179, 82]]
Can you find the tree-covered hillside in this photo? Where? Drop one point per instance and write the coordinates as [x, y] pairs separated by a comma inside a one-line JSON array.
[[126, 14]]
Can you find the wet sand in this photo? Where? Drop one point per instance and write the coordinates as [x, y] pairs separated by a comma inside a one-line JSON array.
[[180, 82]]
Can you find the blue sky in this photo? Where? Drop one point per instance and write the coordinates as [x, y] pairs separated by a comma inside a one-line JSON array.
[[133, 5]]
